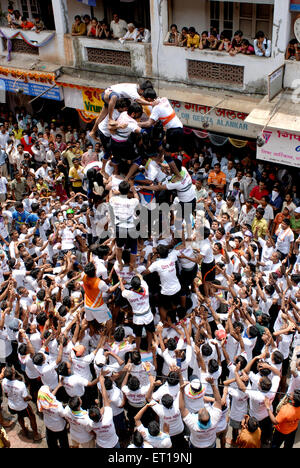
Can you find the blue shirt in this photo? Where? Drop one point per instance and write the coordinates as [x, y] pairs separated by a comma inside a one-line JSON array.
[[20, 218]]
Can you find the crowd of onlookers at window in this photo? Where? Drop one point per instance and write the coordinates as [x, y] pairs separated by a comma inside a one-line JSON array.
[[17, 21], [191, 39], [117, 29]]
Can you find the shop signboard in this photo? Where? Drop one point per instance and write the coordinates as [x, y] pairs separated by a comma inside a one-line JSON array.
[[281, 147], [32, 89], [219, 120]]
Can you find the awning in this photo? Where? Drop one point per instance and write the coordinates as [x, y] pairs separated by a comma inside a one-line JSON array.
[[286, 114]]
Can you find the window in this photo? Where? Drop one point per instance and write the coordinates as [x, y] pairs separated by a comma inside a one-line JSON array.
[[255, 18], [30, 8], [221, 16]]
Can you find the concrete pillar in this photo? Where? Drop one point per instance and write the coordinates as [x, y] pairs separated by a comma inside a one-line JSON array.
[[159, 29], [281, 28], [63, 40], [60, 11]]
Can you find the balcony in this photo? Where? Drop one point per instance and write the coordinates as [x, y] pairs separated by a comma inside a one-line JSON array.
[[50, 52], [216, 69], [131, 59]]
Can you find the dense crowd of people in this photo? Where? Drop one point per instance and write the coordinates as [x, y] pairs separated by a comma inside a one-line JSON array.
[[149, 296]]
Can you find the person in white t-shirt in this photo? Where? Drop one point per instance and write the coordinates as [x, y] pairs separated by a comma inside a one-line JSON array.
[[169, 412], [165, 266], [138, 298], [102, 423], [285, 238], [52, 410], [153, 434], [203, 425], [18, 398], [80, 431]]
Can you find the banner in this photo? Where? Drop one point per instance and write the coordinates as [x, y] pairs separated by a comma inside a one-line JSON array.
[[32, 89], [219, 120], [281, 147], [295, 5], [92, 100]]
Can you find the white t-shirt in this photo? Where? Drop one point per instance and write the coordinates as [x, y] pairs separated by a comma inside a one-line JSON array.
[[185, 188], [48, 373], [75, 385], [103, 126], [16, 391], [162, 440], [166, 268], [105, 431], [206, 251], [162, 111], [239, 404], [257, 403], [81, 365], [126, 90], [122, 134], [284, 239], [79, 425], [124, 210], [202, 438], [136, 398], [170, 416], [139, 302]]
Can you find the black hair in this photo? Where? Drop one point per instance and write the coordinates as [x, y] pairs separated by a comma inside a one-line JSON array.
[[119, 334], [124, 187], [253, 332], [135, 108], [108, 383], [150, 93], [62, 310], [146, 84], [206, 350], [9, 373], [278, 357], [167, 401], [137, 439], [74, 403], [243, 361], [162, 250], [22, 350], [252, 424], [212, 366], [153, 428], [136, 358], [265, 384], [121, 103], [62, 369], [41, 318], [90, 270], [94, 414], [38, 359], [171, 344], [41, 294], [133, 383], [173, 378], [135, 283]]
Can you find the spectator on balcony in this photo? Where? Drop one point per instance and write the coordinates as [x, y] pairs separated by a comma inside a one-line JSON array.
[[118, 27], [38, 24], [246, 47], [193, 39], [183, 37], [225, 42], [173, 36], [26, 25], [10, 15], [87, 20], [236, 43], [131, 34], [78, 27], [93, 28], [204, 42], [143, 34], [16, 19], [293, 50], [262, 45], [213, 40], [104, 31]]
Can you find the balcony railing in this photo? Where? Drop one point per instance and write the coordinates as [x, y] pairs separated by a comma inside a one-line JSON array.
[[216, 69], [108, 55]]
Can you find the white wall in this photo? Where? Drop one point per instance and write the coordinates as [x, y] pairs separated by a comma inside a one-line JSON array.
[[190, 13], [78, 8]]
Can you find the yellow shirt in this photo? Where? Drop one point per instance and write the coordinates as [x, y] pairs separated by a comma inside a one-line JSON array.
[[262, 226], [193, 41], [74, 174]]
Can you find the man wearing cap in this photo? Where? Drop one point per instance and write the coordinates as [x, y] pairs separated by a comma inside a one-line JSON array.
[[203, 425]]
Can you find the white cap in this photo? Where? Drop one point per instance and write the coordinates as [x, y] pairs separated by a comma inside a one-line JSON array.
[[248, 233], [195, 384], [100, 359]]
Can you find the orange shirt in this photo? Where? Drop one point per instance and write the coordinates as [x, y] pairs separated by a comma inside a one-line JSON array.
[[93, 294], [287, 418], [247, 439], [217, 179]]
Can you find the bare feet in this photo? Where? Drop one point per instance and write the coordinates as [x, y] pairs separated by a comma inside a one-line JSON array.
[[37, 436]]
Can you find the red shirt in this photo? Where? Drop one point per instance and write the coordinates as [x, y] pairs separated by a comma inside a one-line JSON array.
[[258, 194]]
